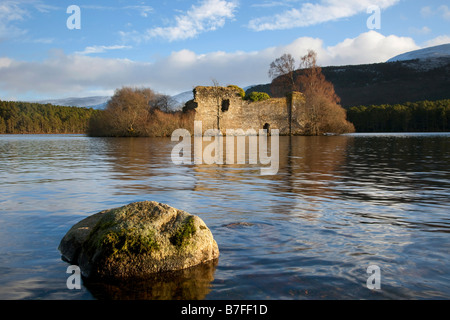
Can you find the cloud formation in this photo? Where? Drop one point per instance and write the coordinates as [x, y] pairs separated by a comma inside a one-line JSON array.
[[445, 12], [442, 39], [442, 11], [62, 75], [101, 49], [143, 10], [11, 12], [315, 13], [208, 16]]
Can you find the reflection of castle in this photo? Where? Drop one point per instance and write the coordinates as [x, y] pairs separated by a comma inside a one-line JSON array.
[[223, 108], [306, 165]]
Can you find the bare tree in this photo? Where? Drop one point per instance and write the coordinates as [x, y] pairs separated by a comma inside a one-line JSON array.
[[322, 112], [217, 92], [282, 73], [312, 80], [163, 102]]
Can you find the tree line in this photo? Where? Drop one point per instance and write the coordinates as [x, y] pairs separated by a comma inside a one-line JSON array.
[[422, 116], [35, 118]]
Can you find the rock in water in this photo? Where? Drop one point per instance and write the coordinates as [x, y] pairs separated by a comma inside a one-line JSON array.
[[136, 240]]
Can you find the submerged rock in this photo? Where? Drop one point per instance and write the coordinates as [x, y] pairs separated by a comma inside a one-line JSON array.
[[137, 240], [188, 284], [238, 224]]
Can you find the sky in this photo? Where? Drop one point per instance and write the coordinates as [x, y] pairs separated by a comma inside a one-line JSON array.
[[71, 48]]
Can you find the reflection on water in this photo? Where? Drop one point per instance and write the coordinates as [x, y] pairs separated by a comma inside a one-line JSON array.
[[190, 284], [337, 205]]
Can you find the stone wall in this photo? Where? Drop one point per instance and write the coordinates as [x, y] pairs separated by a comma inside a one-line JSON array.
[[224, 108]]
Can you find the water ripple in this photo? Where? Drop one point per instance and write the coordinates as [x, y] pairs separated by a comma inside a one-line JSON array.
[[336, 206]]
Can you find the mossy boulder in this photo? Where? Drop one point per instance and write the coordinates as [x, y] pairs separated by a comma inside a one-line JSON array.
[[137, 240]]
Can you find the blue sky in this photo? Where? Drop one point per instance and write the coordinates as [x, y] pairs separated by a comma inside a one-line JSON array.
[[172, 46]]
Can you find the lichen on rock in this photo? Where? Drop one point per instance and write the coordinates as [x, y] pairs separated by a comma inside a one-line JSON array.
[[138, 239], [183, 233]]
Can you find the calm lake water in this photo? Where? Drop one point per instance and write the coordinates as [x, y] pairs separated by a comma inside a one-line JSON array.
[[337, 205]]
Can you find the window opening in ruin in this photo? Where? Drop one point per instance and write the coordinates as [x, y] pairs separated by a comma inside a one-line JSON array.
[[225, 105]]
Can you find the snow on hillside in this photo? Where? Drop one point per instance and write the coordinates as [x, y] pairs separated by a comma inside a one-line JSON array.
[[97, 102], [183, 97], [441, 51]]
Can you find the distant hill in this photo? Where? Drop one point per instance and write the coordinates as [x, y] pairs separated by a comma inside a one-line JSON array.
[[100, 102], [397, 81], [441, 51], [183, 97], [96, 102]]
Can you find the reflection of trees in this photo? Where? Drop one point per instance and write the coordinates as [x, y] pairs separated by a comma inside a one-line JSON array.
[[312, 163], [189, 284], [305, 163], [130, 155], [144, 163], [306, 167]]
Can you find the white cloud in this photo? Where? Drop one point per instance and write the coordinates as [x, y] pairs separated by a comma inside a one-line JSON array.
[[369, 47], [64, 75], [101, 49], [443, 39], [442, 11], [143, 10], [445, 12], [13, 12], [208, 16], [68, 75], [45, 8], [10, 13], [315, 13], [271, 4], [420, 31], [426, 12], [5, 62], [41, 40]]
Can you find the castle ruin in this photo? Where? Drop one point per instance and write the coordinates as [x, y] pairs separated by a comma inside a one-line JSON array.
[[223, 108]]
